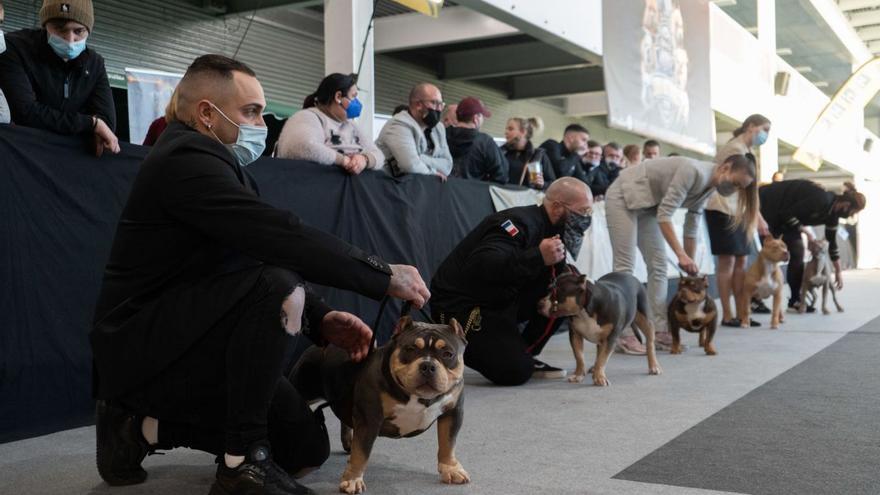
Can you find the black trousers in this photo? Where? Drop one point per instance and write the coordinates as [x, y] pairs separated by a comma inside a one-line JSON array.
[[497, 350], [227, 391], [795, 272]]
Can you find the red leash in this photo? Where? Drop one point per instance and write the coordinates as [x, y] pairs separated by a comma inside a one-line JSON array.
[[549, 327]]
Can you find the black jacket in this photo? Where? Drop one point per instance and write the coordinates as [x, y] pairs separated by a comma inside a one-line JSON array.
[[789, 204], [46, 92], [495, 263], [517, 161], [565, 163], [193, 214], [475, 155], [600, 178]]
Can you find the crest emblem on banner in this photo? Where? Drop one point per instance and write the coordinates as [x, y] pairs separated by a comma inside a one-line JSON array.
[[664, 62]]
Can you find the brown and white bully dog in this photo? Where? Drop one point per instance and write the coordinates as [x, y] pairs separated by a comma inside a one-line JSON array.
[[399, 391], [764, 279], [817, 273], [693, 310], [599, 312]]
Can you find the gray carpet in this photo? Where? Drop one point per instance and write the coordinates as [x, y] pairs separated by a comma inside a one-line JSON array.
[[811, 430]]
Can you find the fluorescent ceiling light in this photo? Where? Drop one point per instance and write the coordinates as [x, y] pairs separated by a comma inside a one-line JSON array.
[[724, 3], [821, 84], [803, 69], [752, 29], [783, 51]]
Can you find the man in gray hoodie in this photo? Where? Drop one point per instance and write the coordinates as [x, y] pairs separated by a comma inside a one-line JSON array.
[[414, 141]]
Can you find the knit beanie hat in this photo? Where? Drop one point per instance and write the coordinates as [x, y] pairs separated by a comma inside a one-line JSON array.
[[80, 11]]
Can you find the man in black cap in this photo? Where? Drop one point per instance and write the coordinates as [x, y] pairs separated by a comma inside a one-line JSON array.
[[204, 287], [475, 154]]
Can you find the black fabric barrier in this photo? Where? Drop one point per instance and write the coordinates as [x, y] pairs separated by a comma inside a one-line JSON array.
[[59, 212]]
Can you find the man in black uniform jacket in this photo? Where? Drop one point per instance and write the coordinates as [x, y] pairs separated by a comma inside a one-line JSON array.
[[201, 292], [492, 282], [567, 156]]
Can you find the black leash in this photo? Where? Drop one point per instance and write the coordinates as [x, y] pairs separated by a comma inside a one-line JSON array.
[[405, 310]]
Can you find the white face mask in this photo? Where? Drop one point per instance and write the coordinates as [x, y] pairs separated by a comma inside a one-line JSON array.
[[2, 42]]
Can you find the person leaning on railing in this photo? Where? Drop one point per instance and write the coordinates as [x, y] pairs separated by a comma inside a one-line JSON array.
[[325, 130], [53, 81]]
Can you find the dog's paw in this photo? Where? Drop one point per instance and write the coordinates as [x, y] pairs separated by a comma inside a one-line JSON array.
[[676, 349], [840, 309], [356, 485], [601, 380], [655, 370], [774, 326], [453, 474], [576, 378], [710, 349]]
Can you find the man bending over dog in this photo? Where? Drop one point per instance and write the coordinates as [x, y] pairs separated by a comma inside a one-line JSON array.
[[203, 288], [492, 282]]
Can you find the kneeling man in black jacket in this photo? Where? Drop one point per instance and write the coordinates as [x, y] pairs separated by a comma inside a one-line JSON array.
[[202, 292], [492, 282]]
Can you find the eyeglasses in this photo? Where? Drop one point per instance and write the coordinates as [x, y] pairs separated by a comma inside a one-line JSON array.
[[586, 212], [435, 104]]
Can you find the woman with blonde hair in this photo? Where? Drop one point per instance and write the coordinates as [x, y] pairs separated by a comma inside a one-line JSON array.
[[639, 209], [519, 152]]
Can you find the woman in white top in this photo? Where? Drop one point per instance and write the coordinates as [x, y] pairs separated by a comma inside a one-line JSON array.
[[730, 243], [639, 206], [324, 130]]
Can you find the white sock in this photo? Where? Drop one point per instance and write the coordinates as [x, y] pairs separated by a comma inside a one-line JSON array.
[[233, 461], [150, 430]]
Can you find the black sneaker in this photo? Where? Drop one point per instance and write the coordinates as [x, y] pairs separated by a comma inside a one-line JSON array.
[[544, 370], [121, 446], [759, 307], [258, 474]]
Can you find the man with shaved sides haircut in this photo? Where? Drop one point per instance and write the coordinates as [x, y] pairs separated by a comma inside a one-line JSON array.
[[414, 141], [203, 290], [492, 282]]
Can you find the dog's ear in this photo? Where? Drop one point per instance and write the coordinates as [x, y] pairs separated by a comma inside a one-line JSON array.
[[456, 326], [582, 281], [403, 324], [705, 278]]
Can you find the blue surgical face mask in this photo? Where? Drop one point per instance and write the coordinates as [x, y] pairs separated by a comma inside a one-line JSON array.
[[65, 49], [760, 138], [354, 108], [251, 141]]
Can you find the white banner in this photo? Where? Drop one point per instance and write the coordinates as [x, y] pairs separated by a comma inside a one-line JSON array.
[[149, 92], [656, 70]]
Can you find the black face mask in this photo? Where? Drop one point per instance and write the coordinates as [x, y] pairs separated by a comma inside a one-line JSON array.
[[432, 118], [573, 235]]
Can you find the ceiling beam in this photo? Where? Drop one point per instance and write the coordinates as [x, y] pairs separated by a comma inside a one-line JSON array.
[[455, 25], [559, 83], [869, 33], [229, 7], [571, 25], [856, 4], [507, 60], [874, 46], [866, 18]]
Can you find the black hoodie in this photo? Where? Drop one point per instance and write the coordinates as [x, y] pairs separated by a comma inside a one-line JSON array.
[[475, 155]]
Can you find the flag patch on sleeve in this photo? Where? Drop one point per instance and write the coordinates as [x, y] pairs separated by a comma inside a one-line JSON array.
[[510, 228]]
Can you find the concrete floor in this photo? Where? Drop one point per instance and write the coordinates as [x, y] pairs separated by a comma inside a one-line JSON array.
[[548, 437]]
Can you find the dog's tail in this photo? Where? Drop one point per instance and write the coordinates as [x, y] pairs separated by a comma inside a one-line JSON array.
[[306, 374]]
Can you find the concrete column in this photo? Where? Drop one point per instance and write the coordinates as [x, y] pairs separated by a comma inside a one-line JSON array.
[[769, 152], [345, 25]]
